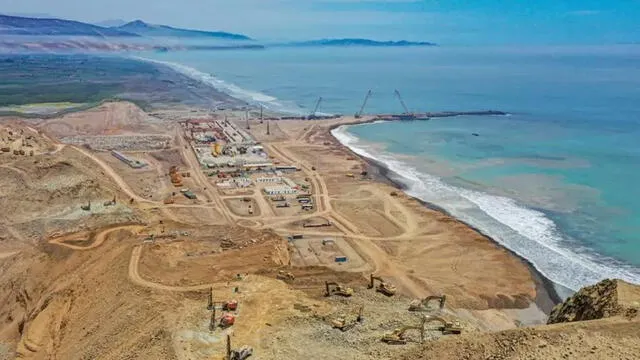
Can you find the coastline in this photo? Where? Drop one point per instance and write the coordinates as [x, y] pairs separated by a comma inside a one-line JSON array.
[[546, 294]]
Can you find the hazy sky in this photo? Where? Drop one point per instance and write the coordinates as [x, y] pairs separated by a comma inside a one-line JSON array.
[[443, 21]]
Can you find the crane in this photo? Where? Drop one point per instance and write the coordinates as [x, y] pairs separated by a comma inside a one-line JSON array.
[[406, 109], [364, 103], [315, 109]]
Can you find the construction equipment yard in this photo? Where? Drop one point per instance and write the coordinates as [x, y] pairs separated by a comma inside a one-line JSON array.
[[267, 233]]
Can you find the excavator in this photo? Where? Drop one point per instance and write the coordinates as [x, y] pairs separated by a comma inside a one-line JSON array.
[[344, 323], [397, 337], [447, 327], [285, 276], [423, 305], [384, 288], [243, 353], [339, 289]]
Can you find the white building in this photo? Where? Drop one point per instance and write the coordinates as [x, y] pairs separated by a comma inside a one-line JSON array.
[[279, 190], [269, 179], [289, 182]]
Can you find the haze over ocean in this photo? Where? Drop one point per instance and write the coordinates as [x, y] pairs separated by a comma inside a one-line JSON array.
[[555, 182]]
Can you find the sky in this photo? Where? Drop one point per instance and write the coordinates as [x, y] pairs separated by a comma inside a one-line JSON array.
[[443, 21]]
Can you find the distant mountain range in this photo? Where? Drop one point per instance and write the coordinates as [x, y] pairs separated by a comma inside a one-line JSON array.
[[16, 25], [139, 27], [111, 23], [358, 42]]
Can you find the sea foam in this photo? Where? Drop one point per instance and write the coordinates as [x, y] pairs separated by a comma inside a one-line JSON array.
[[527, 232], [251, 97]]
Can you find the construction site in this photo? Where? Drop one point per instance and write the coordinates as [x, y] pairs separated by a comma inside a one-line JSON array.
[[250, 236]]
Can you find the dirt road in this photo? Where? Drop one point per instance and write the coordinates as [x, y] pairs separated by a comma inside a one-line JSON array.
[[98, 239]]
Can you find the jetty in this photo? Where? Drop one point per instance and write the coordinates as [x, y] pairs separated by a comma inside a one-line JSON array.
[[407, 115]]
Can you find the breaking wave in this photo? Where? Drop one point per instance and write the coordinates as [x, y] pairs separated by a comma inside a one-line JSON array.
[[527, 232], [251, 97]]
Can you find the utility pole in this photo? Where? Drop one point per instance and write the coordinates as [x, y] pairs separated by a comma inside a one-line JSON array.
[[228, 347], [210, 304], [268, 129], [261, 118], [212, 322]]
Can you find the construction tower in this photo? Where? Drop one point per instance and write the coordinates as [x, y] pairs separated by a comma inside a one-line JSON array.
[[261, 118]]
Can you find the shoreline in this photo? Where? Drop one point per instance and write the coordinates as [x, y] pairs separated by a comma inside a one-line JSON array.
[[546, 294]]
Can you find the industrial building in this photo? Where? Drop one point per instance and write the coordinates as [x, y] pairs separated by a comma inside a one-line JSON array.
[[269, 179], [279, 190], [134, 163]]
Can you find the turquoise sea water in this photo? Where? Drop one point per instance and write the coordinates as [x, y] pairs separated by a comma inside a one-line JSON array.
[[556, 181]]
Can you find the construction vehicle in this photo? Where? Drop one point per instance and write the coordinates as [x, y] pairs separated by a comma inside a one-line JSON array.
[[350, 175], [285, 276], [345, 323], [227, 320], [86, 207], [312, 115], [231, 305], [384, 287], [339, 289], [358, 115], [169, 201], [176, 178], [447, 327], [407, 115], [242, 354], [423, 305], [397, 337], [110, 202]]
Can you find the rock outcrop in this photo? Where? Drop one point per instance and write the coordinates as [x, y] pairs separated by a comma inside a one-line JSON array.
[[605, 299]]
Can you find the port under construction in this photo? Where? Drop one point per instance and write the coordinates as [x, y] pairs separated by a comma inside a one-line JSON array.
[[407, 115]]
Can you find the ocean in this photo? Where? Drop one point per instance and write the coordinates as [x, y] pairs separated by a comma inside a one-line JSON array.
[[556, 181]]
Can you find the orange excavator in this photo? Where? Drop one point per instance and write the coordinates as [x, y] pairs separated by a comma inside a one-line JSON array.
[[333, 288], [423, 305], [384, 287]]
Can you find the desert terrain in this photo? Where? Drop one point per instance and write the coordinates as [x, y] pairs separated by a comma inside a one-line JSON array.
[[128, 234]]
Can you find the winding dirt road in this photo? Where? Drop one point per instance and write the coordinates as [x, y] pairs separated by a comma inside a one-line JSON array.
[[98, 238]]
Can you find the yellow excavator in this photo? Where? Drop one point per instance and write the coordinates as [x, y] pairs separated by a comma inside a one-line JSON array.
[[397, 337], [345, 323], [447, 327], [333, 288], [285, 276], [423, 305], [384, 287]]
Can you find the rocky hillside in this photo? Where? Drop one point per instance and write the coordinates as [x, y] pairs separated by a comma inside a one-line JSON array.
[[614, 333], [605, 299]]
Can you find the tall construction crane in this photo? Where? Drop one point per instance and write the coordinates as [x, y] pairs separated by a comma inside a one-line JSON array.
[[315, 109], [406, 109], [364, 103]]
